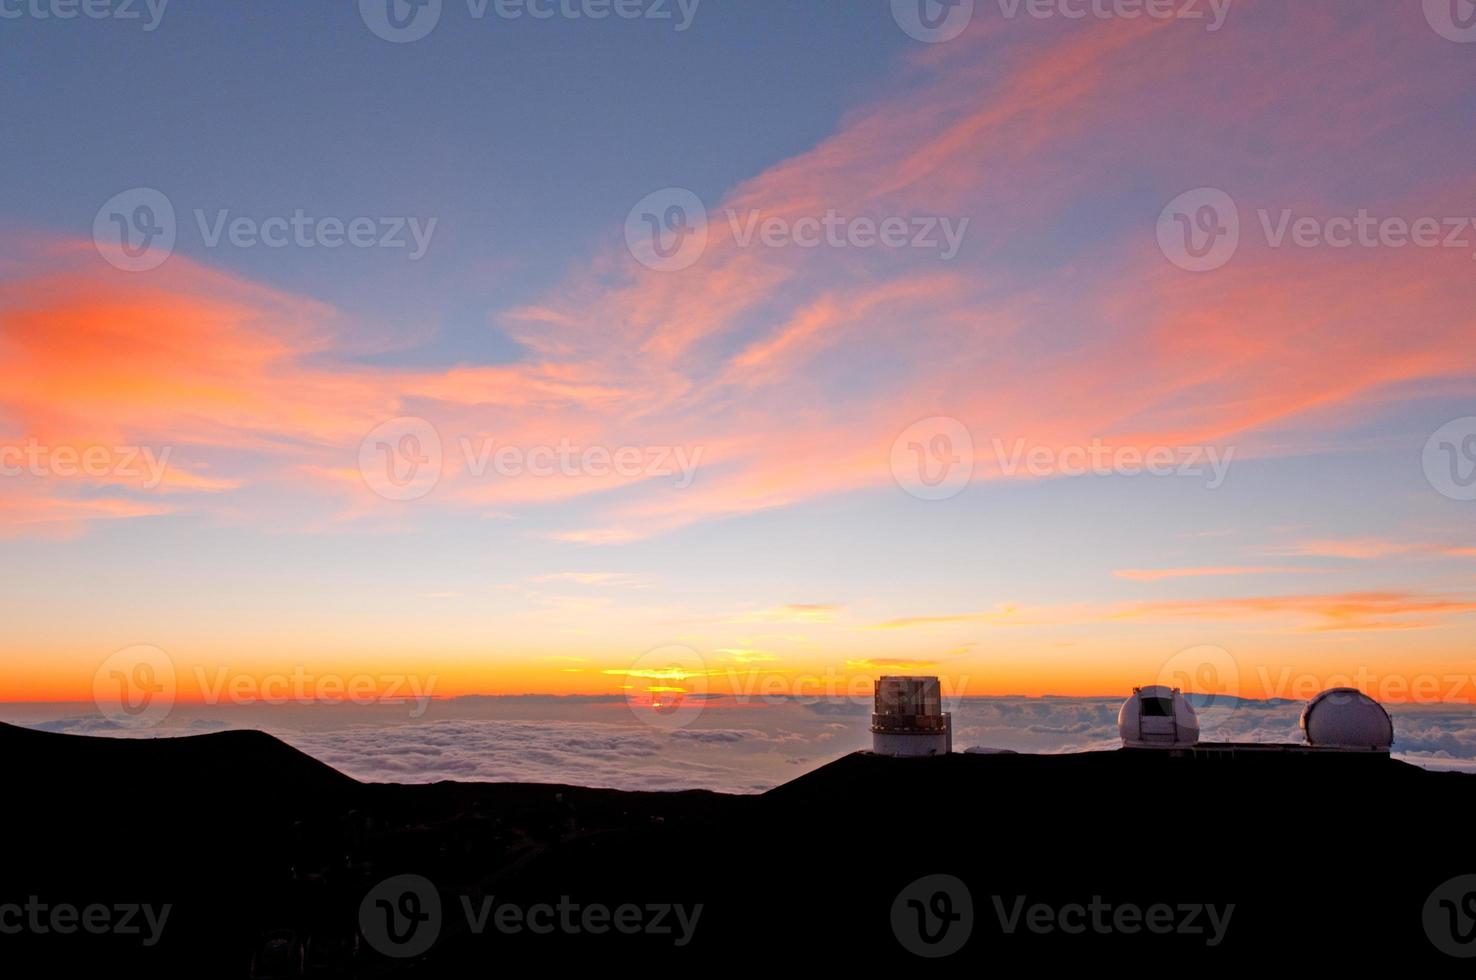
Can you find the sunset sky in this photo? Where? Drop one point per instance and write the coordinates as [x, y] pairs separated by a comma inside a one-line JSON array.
[[252, 409]]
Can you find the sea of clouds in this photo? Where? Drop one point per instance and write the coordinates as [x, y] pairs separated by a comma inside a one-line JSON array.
[[732, 745]]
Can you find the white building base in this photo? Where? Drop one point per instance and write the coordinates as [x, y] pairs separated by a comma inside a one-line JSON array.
[[910, 743]]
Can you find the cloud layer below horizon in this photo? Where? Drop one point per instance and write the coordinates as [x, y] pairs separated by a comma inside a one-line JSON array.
[[736, 748]]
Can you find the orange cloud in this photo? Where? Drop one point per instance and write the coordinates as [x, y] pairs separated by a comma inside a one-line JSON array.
[[1360, 548], [1350, 611], [795, 369], [43, 515], [1015, 130], [1368, 549], [888, 663], [1340, 611]]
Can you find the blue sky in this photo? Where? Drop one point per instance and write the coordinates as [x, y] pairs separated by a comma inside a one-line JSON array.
[[1057, 148]]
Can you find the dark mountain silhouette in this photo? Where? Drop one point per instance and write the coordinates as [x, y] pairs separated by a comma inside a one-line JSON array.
[[266, 857]]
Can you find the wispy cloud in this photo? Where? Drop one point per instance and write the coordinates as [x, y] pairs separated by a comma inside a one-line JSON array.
[[1338, 611], [889, 663], [793, 613], [1322, 612], [1370, 549], [628, 580], [739, 355], [1004, 614], [1159, 574]]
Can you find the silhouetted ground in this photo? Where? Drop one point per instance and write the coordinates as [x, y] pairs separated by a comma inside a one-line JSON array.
[[266, 857]]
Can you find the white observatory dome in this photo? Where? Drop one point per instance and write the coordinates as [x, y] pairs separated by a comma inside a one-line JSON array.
[[1159, 717], [1346, 718]]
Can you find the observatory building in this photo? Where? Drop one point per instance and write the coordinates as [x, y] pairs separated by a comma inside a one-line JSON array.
[[908, 718], [1342, 719], [1157, 717], [1346, 718]]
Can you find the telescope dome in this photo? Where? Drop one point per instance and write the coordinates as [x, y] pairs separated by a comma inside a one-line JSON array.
[[1346, 718], [1157, 717]]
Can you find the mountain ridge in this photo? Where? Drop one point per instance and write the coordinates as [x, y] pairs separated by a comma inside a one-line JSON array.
[[265, 853]]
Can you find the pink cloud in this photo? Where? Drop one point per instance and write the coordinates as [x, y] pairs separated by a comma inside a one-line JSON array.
[[795, 369]]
